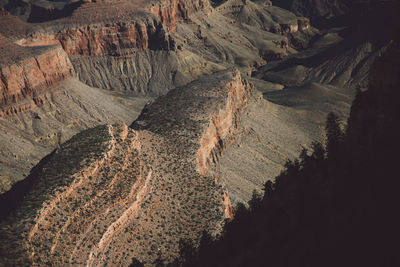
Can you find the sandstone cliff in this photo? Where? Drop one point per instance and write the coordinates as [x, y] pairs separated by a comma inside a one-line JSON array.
[[146, 49], [102, 38], [32, 128], [41, 105], [170, 12], [114, 192], [29, 76]]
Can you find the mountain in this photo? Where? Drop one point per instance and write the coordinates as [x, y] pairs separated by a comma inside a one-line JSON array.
[[135, 50], [334, 205], [127, 126]]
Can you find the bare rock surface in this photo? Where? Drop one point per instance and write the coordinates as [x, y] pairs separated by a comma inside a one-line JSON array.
[[26, 72], [120, 32], [270, 134]]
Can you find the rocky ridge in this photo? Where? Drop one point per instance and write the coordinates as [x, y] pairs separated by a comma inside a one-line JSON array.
[[117, 193], [170, 12], [31, 129], [114, 192], [138, 46]]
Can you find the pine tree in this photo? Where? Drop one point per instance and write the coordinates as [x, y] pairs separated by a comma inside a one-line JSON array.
[[334, 135]]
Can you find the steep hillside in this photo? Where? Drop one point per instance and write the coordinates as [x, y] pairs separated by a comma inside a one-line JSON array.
[[26, 72], [336, 63], [32, 128], [138, 47], [301, 90], [333, 206], [112, 193], [142, 48]]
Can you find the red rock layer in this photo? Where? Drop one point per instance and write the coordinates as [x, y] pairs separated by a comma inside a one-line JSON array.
[[30, 76], [171, 11], [104, 39], [222, 125]]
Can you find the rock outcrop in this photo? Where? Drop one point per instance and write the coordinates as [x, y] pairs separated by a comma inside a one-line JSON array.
[[101, 38], [112, 193], [32, 128], [341, 58], [30, 76], [169, 12], [132, 37], [41, 104], [268, 17]]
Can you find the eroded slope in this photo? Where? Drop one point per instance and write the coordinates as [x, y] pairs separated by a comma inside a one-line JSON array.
[[112, 193], [133, 46], [32, 128]]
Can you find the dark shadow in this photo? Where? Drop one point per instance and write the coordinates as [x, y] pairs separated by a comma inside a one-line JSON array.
[[40, 14], [10, 200]]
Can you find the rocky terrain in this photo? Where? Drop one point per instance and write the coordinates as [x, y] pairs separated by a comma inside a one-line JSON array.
[[42, 104], [218, 96], [316, 8], [142, 50], [112, 193]]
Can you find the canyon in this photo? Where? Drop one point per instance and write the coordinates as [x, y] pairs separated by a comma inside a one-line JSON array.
[[137, 51], [127, 126]]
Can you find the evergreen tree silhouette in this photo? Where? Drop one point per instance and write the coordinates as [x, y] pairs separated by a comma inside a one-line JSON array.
[[334, 135]]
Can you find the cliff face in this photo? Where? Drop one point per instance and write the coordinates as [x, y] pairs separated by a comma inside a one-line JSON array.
[[141, 46], [104, 38], [41, 104], [32, 128], [169, 12], [31, 76], [135, 40], [112, 193], [148, 72], [115, 192], [26, 72], [134, 51], [222, 127]]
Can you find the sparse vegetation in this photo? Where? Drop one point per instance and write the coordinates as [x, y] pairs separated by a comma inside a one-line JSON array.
[[334, 206]]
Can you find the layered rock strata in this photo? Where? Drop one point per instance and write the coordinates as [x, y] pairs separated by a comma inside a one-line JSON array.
[[29, 76], [133, 36], [113, 193], [42, 105], [170, 12], [137, 46], [103, 38], [32, 128]]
